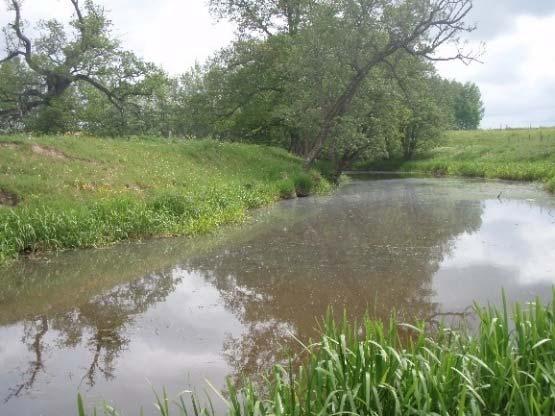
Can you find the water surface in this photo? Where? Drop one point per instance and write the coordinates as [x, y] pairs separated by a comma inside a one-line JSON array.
[[174, 312]]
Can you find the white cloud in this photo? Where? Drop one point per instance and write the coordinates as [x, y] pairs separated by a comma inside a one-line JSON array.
[[172, 33], [524, 246], [516, 78]]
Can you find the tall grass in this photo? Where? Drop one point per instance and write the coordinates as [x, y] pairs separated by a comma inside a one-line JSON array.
[[505, 367], [95, 192]]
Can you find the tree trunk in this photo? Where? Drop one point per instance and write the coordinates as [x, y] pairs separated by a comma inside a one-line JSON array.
[[339, 108]]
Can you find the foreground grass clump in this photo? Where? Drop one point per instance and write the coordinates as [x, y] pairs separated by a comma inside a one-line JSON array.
[[505, 367], [69, 192], [524, 155]]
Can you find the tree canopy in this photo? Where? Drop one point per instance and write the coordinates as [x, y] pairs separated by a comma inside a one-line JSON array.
[[338, 80], [47, 70]]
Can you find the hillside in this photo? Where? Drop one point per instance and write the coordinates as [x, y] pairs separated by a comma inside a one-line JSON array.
[[68, 192]]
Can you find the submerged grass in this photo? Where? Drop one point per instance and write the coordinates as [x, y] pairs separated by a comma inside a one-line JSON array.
[[524, 155], [87, 192], [505, 367]]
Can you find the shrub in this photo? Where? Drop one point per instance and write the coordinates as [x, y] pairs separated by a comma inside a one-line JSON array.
[[304, 184], [286, 189]]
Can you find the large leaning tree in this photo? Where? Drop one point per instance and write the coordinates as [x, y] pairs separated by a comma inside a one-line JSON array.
[[338, 45], [44, 68]]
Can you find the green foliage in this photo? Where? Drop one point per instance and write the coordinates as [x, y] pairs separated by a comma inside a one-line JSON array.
[[88, 192], [462, 103], [47, 79], [324, 80], [56, 117], [286, 189], [287, 88], [468, 107], [505, 366], [304, 184]]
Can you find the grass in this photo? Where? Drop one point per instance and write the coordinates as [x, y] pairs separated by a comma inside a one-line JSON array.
[[523, 155], [505, 366], [86, 192]]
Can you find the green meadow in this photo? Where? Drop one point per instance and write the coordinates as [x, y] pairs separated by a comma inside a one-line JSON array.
[[523, 155], [68, 192]]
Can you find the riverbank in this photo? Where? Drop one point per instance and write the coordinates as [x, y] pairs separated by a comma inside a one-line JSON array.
[[524, 155], [77, 192]]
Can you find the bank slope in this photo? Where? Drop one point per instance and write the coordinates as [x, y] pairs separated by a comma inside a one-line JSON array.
[[69, 192], [526, 155]]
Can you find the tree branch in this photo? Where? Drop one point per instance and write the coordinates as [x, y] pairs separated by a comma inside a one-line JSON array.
[[16, 26], [78, 11], [12, 55], [109, 94]]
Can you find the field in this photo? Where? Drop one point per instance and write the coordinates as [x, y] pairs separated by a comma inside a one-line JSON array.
[[524, 155], [69, 192]]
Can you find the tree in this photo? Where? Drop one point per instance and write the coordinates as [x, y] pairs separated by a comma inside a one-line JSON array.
[[422, 119], [49, 66], [14, 77], [377, 31], [338, 43], [265, 17], [149, 110], [468, 107], [462, 103]]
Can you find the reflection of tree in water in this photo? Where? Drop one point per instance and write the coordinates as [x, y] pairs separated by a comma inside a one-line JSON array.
[[365, 253], [99, 323], [377, 254], [33, 334]]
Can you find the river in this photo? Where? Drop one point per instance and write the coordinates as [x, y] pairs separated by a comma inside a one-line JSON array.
[[113, 323]]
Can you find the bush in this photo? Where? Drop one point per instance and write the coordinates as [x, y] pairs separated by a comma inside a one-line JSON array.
[[304, 184], [286, 189]]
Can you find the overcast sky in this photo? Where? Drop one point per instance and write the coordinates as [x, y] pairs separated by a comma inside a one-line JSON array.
[[517, 77]]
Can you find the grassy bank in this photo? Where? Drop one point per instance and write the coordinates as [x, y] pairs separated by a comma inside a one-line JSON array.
[[507, 367], [69, 192], [524, 155]]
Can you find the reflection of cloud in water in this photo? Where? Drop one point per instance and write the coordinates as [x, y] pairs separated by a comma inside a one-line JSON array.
[[523, 250], [177, 315]]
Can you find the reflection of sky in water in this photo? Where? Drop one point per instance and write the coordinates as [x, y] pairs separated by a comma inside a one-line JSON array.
[[227, 308], [177, 343], [514, 249]]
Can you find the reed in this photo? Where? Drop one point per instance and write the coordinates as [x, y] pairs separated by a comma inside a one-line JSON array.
[[505, 366]]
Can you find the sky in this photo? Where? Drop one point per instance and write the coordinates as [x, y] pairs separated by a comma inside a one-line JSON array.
[[516, 76]]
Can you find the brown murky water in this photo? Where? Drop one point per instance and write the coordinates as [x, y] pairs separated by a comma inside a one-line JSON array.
[[172, 313]]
